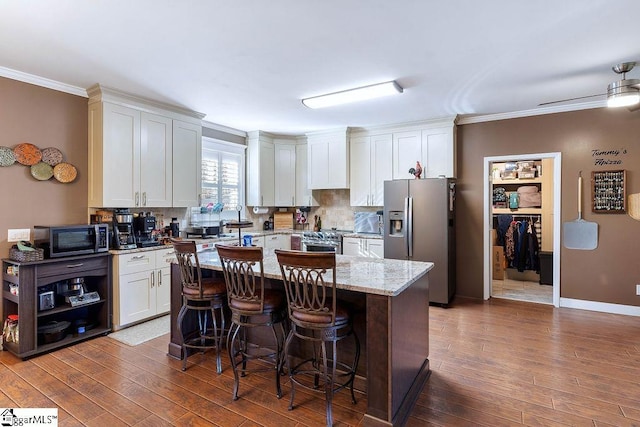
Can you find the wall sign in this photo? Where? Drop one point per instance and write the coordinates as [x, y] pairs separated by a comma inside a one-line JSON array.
[[608, 157]]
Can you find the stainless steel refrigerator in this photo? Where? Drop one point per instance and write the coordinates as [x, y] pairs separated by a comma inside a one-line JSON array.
[[419, 225]]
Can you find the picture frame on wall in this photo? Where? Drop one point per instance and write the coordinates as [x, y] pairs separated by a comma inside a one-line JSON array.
[[609, 191]]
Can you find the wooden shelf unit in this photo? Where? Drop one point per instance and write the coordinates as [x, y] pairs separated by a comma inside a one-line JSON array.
[[95, 269]]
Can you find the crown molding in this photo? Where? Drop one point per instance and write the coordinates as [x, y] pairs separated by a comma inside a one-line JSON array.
[[222, 128], [99, 93], [42, 82], [466, 120]]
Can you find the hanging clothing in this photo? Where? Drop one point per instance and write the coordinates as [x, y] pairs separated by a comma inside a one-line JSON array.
[[504, 221]]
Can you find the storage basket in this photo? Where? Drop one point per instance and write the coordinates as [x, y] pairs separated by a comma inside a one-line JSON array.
[[26, 256]]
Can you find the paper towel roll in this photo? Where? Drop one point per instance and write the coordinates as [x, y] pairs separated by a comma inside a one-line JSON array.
[[260, 210]]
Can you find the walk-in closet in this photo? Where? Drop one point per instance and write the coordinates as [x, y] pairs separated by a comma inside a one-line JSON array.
[[522, 229]]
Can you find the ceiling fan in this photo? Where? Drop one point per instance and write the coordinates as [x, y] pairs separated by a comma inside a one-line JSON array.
[[622, 93]]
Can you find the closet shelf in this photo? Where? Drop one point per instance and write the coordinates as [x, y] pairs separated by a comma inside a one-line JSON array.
[[517, 181], [519, 211]]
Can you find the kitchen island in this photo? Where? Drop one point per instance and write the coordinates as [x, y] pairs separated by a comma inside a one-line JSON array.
[[391, 300]]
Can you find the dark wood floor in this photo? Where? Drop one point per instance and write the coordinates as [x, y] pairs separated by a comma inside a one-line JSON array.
[[494, 363]]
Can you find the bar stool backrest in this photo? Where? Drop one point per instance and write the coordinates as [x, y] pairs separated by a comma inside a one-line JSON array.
[[311, 298], [245, 285], [190, 273]]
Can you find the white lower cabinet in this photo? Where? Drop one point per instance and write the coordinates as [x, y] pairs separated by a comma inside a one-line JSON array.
[[276, 241], [141, 286], [363, 246]]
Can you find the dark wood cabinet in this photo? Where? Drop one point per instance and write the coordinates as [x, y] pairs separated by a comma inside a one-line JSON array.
[[86, 320]]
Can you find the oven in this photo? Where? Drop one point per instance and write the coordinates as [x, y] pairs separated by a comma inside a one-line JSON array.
[[318, 241]]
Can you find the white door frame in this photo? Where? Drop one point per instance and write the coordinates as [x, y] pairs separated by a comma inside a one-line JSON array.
[[488, 219]]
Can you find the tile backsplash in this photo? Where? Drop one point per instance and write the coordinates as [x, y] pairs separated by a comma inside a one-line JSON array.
[[334, 210]]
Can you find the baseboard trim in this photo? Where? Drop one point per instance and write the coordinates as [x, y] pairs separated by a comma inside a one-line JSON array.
[[604, 307]]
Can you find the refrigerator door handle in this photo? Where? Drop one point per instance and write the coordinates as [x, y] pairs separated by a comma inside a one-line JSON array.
[[408, 218]]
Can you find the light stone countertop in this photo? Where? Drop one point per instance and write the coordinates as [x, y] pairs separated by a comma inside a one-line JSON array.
[[388, 277], [364, 235], [208, 242]]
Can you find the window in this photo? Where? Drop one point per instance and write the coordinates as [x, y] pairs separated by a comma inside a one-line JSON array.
[[223, 176]]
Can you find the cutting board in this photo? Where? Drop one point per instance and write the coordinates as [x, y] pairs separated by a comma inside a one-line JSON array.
[[282, 220]]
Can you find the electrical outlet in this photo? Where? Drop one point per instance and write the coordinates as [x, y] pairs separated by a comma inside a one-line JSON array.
[[637, 289], [17, 234]]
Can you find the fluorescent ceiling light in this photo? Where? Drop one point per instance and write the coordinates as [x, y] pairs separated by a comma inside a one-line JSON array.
[[353, 95], [623, 93]]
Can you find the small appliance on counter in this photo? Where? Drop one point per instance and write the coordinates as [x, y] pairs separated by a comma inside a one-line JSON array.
[[143, 226], [71, 240], [367, 223], [123, 234]]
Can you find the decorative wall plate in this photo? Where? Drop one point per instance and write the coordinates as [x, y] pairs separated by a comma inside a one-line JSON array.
[[65, 172], [51, 156], [7, 158], [41, 171], [27, 154]]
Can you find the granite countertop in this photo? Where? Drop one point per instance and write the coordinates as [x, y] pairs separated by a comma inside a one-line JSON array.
[[387, 277], [206, 243], [364, 235]]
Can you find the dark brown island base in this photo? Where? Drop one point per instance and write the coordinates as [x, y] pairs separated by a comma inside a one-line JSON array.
[[391, 317]]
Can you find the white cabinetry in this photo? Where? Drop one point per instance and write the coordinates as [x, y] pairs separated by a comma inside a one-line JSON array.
[[187, 162], [260, 169], [304, 195], [370, 166], [328, 160], [131, 152], [363, 246], [285, 174], [276, 241], [141, 286], [433, 145], [438, 152]]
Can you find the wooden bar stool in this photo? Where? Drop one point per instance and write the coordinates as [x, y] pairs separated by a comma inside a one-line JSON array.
[[251, 306], [318, 317], [205, 296]]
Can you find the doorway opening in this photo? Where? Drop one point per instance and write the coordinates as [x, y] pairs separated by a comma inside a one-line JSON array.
[[522, 227]]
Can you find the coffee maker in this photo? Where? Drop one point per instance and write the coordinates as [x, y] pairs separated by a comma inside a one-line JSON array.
[[123, 235], [143, 226]]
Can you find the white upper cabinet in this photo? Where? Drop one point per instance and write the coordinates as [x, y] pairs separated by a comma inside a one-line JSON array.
[[114, 155], [187, 159], [328, 160], [285, 173], [370, 166], [260, 169], [156, 161], [131, 151], [432, 144], [438, 152], [406, 152], [304, 195]]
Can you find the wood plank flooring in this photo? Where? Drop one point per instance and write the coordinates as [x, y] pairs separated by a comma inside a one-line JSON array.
[[494, 363]]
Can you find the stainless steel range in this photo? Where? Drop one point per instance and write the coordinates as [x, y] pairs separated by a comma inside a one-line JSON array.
[[323, 241]]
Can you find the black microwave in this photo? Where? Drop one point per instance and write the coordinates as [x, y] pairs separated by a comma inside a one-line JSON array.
[[70, 240]]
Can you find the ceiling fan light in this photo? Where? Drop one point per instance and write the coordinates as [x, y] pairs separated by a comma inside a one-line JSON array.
[[353, 95], [623, 93]]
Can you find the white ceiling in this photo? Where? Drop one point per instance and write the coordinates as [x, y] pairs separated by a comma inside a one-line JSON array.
[[246, 64]]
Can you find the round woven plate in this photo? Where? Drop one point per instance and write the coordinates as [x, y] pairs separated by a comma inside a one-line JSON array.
[[51, 156], [41, 171], [7, 158], [27, 154], [65, 172]]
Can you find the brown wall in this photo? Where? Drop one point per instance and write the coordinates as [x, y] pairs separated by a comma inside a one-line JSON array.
[[610, 272], [45, 118]]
